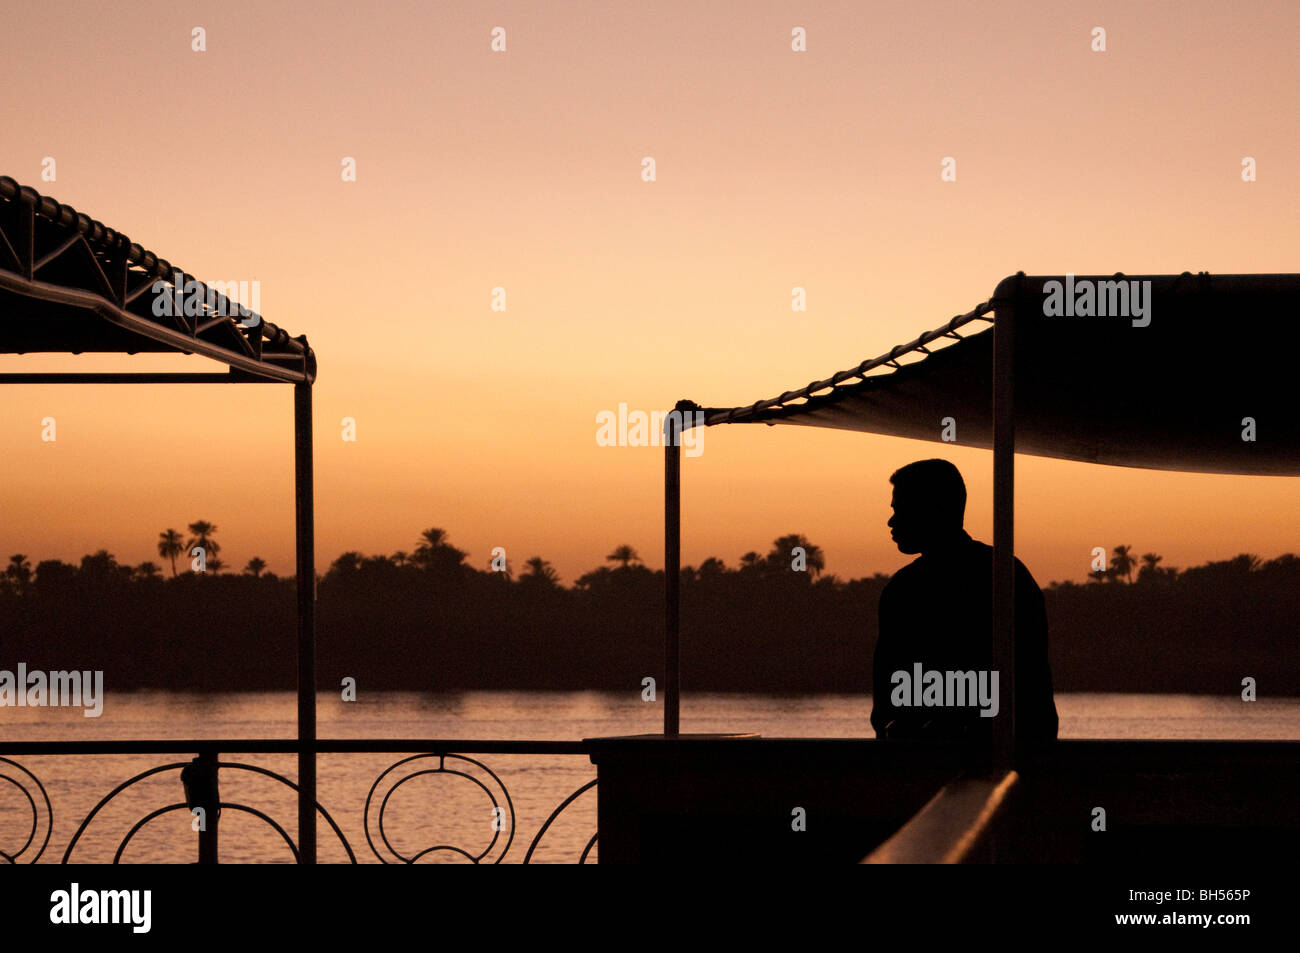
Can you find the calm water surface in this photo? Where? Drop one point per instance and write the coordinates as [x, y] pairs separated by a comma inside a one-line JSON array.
[[447, 809]]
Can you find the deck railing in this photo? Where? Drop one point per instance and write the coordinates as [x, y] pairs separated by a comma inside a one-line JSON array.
[[210, 763]]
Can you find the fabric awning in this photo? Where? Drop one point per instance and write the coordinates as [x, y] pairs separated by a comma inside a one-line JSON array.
[[1178, 387]]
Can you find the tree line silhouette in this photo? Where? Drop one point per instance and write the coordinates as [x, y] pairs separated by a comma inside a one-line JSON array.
[[427, 620]]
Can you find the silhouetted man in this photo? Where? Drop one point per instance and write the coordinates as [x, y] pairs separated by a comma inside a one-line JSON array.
[[933, 668]]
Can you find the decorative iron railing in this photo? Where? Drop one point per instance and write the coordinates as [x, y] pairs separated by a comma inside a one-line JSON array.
[[202, 775]]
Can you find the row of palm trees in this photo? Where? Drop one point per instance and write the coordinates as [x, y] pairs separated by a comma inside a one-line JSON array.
[[172, 544], [19, 572], [1122, 563], [433, 550], [780, 558]]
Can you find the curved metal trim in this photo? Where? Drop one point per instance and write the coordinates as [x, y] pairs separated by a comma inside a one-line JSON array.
[[117, 857], [49, 811], [220, 764], [556, 813]]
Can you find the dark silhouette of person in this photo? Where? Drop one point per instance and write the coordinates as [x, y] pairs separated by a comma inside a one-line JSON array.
[[937, 612]]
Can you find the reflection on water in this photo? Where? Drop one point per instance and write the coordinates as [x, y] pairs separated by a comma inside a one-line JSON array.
[[445, 809]]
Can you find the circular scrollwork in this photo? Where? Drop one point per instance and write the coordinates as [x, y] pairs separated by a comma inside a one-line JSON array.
[[20, 779], [407, 771]]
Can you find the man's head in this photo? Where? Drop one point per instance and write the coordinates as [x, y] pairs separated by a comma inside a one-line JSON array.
[[929, 504]]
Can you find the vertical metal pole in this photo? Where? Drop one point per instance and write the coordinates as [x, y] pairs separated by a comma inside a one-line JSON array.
[[306, 547], [208, 836], [672, 571], [1004, 503]]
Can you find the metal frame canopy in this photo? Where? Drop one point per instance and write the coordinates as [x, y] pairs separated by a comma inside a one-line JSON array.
[[78, 286], [1175, 372], [69, 284]]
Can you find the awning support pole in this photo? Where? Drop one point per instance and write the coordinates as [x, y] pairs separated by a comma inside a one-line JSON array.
[[306, 553], [672, 572], [1004, 503]]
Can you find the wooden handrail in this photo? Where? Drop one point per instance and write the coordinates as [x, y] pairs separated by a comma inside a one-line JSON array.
[[952, 827]]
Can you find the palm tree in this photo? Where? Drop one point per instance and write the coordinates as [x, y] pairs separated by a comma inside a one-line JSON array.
[[202, 538], [780, 558], [1150, 567], [146, 572], [255, 567], [346, 564], [623, 555], [20, 571], [751, 560], [100, 567], [1248, 562], [540, 571], [1123, 562], [399, 558], [711, 567], [170, 545], [429, 540], [434, 551]]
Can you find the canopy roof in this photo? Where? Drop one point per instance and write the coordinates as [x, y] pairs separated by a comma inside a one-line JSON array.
[[1167, 390], [68, 283]]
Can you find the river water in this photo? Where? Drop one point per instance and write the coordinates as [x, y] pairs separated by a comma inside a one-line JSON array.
[[447, 808]]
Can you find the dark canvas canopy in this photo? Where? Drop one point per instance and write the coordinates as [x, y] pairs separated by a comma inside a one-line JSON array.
[[1169, 390], [71, 284]]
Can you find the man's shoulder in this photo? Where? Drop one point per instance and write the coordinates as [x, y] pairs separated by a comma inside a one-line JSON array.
[[984, 552], [902, 576], [902, 583]]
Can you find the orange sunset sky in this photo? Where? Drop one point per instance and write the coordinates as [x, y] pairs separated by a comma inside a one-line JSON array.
[[522, 169]]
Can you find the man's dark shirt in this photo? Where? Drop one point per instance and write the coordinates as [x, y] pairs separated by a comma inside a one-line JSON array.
[[938, 611]]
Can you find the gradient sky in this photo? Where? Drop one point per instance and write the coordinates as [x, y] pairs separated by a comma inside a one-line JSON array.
[[522, 170]]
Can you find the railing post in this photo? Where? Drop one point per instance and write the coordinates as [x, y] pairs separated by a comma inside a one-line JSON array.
[[202, 792], [1004, 504], [306, 545], [672, 571]]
